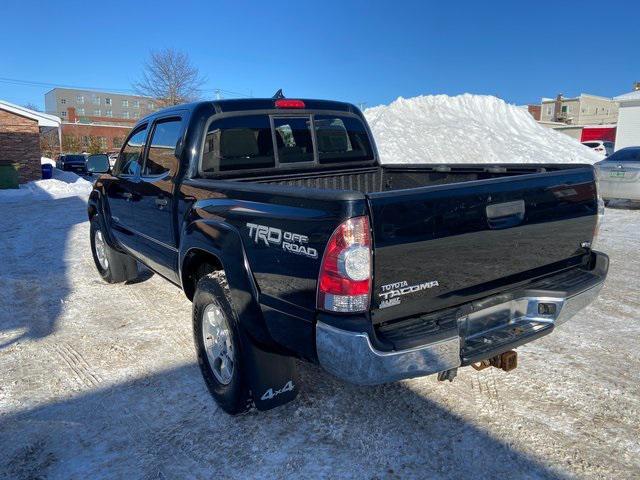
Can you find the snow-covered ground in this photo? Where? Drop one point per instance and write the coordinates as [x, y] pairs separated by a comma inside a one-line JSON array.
[[467, 129], [63, 184], [100, 381]]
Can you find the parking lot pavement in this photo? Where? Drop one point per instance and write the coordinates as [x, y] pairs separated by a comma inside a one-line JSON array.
[[100, 381]]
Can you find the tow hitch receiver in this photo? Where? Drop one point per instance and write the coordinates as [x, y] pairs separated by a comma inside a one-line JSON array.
[[506, 361]]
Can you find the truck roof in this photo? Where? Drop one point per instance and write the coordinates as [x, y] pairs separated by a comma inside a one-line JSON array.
[[237, 105]]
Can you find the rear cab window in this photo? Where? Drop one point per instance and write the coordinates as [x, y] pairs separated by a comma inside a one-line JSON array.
[[342, 139], [270, 141]]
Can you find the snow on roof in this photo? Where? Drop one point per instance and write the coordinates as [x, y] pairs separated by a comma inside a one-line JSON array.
[[44, 119], [573, 99], [467, 129], [628, 97]]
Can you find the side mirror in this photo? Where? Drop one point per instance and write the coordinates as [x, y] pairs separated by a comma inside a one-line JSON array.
[[98, 164]]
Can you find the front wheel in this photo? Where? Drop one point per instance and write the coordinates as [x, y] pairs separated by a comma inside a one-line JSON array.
[[217, 339], [113, 266]]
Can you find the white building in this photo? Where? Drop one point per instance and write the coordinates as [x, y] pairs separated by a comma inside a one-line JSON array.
[[628, 133], [584, 109]]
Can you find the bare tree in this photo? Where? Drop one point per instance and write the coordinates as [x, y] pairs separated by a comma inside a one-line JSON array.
[[170, 78], [31, 106]]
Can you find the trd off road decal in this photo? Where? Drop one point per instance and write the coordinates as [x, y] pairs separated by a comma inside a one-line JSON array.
[[289, 241], [392, 292]]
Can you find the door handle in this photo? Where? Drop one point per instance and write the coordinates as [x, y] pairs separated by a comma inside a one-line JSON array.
[[505, 215], [161, 202]]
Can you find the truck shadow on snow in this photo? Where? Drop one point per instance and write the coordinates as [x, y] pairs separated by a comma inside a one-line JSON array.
[[166, 426], [36, 259]]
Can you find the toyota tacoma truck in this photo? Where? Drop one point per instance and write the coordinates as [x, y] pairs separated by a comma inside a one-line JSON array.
[[278, 221]]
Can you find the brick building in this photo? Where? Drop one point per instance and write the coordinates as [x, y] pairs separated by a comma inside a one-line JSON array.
[[535, 111], [108, 135], [20, 130], [92, 117]]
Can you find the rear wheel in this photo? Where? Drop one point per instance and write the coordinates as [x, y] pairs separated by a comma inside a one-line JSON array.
[[113, 266], [217, 339]]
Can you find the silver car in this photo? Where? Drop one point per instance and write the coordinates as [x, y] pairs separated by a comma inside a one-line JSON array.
[[619, 174]]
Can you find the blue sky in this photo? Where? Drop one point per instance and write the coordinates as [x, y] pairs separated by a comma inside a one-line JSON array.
[[360, 51]]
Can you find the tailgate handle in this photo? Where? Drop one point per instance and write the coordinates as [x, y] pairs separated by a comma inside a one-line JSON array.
[[505, 215]]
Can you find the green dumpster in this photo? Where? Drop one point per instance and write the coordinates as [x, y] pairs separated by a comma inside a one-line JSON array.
[[9, 176]]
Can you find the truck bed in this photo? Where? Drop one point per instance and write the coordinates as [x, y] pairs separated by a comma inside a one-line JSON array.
[[461, 232], [399, 176]]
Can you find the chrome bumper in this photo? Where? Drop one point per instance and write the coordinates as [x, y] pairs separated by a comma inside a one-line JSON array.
[[350, 356]]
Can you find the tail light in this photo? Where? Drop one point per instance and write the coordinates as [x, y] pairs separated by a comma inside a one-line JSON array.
[[344, 283]]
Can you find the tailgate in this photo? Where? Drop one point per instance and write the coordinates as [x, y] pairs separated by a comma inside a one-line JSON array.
[[444, 245]]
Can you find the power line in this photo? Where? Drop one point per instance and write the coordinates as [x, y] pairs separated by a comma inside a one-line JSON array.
[[33, 83]]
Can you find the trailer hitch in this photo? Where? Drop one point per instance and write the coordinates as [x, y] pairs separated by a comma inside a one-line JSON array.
[[506, 361]]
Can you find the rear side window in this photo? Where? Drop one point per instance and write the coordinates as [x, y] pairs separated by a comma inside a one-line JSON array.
[[161, 157], [129, 159], [591, 144], [238, 143], [342, 139]]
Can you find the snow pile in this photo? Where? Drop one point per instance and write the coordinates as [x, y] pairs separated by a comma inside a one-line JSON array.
[[467, 129], [63, 184], [47, 161]]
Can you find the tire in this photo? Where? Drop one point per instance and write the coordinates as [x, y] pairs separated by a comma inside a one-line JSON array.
[[113, 266], [212, 305]]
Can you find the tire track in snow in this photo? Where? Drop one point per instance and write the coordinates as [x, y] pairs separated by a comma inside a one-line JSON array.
[[77, 364], [485, 391]]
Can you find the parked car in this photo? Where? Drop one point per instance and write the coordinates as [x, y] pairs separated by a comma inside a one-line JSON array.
[[619, 175], [277, 220], [601, 146], [72, 162]]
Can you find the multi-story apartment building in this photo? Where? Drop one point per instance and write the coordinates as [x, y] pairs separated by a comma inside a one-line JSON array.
[[90, 117], [93, 106], [584, 109]]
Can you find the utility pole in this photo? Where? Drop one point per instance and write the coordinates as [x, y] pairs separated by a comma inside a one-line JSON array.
[[217, 90]]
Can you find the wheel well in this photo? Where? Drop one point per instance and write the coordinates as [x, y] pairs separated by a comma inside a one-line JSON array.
[[196, 264]]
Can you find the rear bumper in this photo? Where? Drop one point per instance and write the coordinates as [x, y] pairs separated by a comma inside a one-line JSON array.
[[350, 355], [623, 190]]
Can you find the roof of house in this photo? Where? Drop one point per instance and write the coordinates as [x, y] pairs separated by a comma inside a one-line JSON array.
[[43, 119], [573, 99], [628, 97]]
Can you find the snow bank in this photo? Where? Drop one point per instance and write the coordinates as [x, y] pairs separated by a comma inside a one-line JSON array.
[[467, 129], [47, 160], [63, 184]]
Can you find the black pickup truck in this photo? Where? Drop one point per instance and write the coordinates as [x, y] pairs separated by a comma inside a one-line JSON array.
[[277, 220]]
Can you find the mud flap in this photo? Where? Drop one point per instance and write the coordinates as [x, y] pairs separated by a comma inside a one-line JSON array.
[[273, 378]]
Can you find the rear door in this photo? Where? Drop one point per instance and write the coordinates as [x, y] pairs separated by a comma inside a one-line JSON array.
[[154, 214], [444, 245], [619, 174]]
